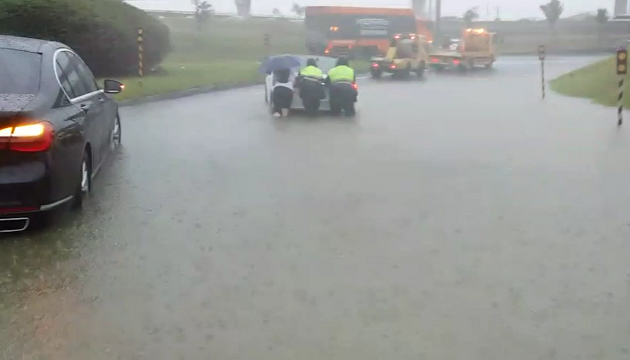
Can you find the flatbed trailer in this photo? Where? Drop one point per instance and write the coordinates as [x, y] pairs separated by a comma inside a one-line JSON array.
[[444, 59], [476, 49]]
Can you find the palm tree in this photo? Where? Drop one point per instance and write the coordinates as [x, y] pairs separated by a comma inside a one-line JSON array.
[[602, 19], [470, 16], [203, 10], [298, 10], [552, 10]]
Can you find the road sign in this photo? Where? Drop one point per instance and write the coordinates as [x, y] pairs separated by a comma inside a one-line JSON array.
[[622, 70], [622, 62], [541, 56]]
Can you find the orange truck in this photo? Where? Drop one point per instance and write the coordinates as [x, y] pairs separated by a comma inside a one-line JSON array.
[[358, 31]]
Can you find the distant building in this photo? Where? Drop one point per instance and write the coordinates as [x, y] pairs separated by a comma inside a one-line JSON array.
[[419, 7], [243, 7], [621, 8]]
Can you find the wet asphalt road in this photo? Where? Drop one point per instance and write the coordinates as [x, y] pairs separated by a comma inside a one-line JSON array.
[[459, 217]]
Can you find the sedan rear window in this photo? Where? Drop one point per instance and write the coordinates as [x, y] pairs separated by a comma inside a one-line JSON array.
[[19, 71]]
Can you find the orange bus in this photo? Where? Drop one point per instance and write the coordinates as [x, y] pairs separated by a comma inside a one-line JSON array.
[[357, 31]]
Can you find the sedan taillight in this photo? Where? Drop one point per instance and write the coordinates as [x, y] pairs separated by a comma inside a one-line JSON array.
[[28, 137]]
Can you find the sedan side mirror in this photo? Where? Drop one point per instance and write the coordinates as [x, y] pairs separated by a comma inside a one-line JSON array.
[[112, 86]]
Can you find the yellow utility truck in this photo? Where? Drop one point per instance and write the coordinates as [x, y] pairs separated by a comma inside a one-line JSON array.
[[475, 49], [407, 53]]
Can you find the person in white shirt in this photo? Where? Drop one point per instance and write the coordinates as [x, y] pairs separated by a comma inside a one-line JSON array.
[[283, 80]]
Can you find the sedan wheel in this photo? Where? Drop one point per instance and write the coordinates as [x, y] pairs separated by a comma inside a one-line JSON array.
[[85, 184], [116, 138]]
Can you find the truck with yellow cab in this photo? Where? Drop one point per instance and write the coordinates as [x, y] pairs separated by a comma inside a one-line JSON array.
[[407, 53], [476, 48]]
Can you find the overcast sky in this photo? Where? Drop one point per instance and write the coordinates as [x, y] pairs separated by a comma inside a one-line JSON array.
[[509, 9]]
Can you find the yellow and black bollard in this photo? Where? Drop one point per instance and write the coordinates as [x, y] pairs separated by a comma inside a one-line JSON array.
[[541, 56], [267, 43], [140, 54], [622, 70]]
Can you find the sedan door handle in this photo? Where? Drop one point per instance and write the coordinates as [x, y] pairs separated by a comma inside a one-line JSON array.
[[85, 107], [101, 100]]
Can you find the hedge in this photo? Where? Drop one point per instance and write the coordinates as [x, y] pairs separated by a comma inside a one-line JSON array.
[[102, 32]]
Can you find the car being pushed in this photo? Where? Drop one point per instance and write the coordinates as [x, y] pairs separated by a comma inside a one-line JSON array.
[[325, 64], [57, 127]]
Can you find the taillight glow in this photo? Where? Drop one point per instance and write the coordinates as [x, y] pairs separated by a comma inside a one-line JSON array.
[[355, 86], [392, 66], [27, 138], [435, 60], [29, 130], [374, 65], [456, 61]]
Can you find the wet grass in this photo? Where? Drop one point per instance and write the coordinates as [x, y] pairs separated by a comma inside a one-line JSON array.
[[597, 81], [226, 51], [186, 75]]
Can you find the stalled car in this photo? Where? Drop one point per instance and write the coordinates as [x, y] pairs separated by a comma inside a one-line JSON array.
[[323, 62], [57, 127]]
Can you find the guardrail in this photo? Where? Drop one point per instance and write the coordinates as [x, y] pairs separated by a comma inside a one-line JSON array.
[[222, 15]]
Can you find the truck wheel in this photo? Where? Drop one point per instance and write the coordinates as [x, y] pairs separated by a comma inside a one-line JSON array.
[[421, 70], [407, 72], [490, 64]]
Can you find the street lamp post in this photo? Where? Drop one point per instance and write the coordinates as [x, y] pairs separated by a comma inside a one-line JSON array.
[[437, 33]]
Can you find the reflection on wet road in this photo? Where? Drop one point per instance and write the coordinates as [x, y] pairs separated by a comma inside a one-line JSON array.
[[459, 217]]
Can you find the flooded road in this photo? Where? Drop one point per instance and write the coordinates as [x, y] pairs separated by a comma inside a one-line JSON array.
[[459, 217]]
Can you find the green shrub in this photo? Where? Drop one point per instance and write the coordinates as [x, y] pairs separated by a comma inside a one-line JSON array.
[[103, 32]]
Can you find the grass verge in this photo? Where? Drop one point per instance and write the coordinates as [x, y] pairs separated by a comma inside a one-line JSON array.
[[597, 81], [225, 51]]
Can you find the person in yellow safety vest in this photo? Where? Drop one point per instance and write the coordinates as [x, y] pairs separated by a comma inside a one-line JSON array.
[[343, 93], [311, 86], [342, 72], [311, 70]]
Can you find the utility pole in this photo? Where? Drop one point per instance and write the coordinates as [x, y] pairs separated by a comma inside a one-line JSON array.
[[498, 13], [437, 34]]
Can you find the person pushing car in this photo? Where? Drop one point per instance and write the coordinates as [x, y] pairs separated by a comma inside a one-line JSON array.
[[343, 93], [311, 86]]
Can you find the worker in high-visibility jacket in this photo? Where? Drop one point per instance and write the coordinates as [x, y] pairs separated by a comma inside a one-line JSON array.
[[311, 86], [343, 90]]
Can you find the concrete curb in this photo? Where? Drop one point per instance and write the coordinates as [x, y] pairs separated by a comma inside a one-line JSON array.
[[193, 91], [186, 92]]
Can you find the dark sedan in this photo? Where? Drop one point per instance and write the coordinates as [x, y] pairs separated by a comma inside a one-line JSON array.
[[57, 127]]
